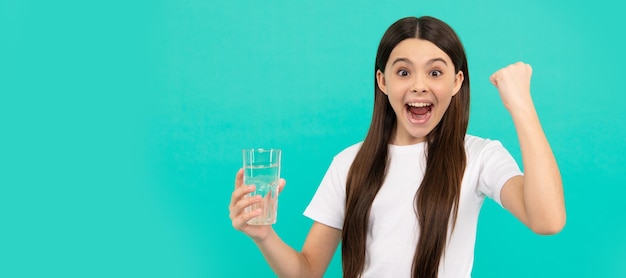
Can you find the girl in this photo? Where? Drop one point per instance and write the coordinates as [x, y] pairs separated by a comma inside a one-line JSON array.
[[405, 201]]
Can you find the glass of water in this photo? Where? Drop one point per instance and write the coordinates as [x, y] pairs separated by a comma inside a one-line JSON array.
[[262, 169]]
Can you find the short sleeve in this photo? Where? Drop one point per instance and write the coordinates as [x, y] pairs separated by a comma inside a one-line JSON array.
[[328, 203], [497, 167]]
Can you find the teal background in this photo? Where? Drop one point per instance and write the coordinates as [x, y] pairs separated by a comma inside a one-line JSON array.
[[121, 125]]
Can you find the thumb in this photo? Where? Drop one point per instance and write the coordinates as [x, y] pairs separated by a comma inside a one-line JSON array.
[[281, 184]]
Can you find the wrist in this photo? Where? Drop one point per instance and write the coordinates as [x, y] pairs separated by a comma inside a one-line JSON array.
[[263, 238], [522, 111]]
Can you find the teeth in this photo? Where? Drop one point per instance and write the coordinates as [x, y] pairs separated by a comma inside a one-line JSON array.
[[419, 104]]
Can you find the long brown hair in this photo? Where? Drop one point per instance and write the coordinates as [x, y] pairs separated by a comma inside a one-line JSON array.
[[437, 198]]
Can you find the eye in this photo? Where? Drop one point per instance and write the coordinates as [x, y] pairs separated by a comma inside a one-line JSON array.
[[403, 72], [436, 73]]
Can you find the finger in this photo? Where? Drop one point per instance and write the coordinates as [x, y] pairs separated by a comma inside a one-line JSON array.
[[281, 185], [239, 178], [246, 202], [239, 194], [238, 208], [241, 222]]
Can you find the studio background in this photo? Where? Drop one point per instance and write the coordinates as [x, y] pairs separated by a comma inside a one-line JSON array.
[[122, 124]]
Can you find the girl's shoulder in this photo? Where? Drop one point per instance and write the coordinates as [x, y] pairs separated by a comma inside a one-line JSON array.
[[473, 144], [477, 147]]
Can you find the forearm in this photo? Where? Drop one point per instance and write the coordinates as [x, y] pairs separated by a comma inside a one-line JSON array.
[[542, 188], [284, 260]]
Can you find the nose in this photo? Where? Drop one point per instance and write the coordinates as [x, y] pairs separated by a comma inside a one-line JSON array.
[[419, 85]]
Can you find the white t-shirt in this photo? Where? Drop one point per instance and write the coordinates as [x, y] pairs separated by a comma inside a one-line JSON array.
[[393, 228]]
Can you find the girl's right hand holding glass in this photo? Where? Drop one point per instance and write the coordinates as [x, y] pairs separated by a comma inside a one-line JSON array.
[[239, 202]]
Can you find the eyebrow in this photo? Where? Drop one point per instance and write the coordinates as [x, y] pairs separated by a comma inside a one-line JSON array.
[[429, 62]]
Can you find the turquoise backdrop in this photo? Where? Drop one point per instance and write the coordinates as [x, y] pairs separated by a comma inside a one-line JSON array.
[[122, 124]]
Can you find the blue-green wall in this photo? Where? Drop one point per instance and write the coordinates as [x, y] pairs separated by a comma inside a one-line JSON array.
[[121, 125]]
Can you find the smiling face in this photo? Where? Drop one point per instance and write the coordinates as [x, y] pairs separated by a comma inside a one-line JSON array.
[[419, 80]]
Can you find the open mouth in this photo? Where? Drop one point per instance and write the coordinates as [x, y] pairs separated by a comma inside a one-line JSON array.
[[419, 111]]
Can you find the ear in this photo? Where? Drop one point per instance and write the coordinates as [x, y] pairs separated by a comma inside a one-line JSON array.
[[458, 82], [380, 80]]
